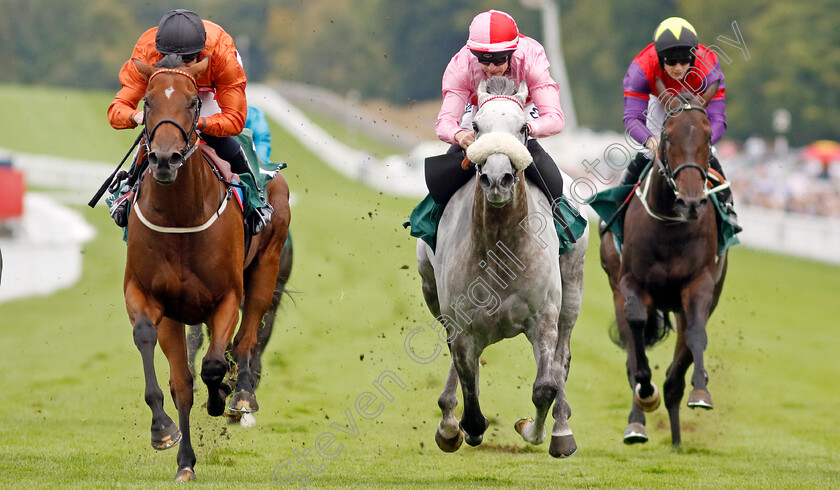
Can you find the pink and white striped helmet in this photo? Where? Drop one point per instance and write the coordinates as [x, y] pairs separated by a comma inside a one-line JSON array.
[[492, 32]]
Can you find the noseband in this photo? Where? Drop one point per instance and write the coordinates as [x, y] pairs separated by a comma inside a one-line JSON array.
[[191, 144], [664, 168]]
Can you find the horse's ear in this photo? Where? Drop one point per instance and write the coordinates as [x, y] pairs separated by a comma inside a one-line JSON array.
[[482, 91], [144, 69], [522, 93], [707, 96], [198, 68]]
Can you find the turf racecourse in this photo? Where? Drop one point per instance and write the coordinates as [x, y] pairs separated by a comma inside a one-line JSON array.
[[74, 415]]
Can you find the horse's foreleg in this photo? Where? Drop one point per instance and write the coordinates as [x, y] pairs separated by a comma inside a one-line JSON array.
[[675, 380], [635, 431], [143, 316], [544, 342], [173, 343], [165, 433], [465, 354], [571, 269], [449, 435], [635, 312], [214, 366], [697, 299]]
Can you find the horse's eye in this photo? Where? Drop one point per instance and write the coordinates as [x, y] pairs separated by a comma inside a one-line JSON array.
[[475, 126], [524, 129]]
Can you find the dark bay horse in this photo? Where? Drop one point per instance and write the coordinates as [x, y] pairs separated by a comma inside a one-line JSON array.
[[669, 263], [495, 274], [186, 261]]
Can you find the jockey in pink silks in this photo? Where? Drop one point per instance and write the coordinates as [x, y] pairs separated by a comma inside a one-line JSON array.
[[496, 48]]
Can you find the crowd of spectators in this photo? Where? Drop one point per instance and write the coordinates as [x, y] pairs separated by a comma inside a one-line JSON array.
[[782, 179]]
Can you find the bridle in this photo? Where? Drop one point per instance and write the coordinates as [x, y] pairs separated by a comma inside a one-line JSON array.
[[665, 169], [190, 138]]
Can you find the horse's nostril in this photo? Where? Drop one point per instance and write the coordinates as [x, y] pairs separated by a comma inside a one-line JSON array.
[[680, 202], [507, 181], [153, 158], [703, 201]]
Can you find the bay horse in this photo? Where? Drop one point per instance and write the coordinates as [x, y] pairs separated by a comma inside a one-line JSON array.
[[494, 276], [186, 261], [669, 263]]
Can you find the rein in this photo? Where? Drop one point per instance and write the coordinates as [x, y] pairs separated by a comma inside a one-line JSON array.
[[186, 151], [670, 175]]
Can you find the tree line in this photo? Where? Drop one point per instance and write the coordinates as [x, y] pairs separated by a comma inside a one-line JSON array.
[[397, 49]]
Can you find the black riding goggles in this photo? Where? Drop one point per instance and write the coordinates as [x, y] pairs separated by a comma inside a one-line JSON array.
[[678, 61]]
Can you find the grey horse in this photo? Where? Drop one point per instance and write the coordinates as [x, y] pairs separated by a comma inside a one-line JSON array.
[[495, 273]]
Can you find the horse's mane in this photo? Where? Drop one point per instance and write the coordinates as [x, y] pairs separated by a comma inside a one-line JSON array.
[[170, 61], [501, 86]]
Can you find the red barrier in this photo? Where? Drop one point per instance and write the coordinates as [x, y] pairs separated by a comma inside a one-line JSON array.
[[11, 193]]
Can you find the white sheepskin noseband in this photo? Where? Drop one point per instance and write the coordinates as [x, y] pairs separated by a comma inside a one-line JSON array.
[[499, 142]]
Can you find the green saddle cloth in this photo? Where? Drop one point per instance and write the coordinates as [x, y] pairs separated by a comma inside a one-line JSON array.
[[426, 216], [607, 202], [265, 171]]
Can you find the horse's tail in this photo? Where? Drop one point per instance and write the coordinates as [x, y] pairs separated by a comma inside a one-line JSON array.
[[657, 329]]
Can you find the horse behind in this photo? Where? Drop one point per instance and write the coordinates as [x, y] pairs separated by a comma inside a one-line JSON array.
[[186, 261], [495, 274], [669, 264]]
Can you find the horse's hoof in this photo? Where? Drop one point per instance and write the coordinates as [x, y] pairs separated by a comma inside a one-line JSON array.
[[166, 437], [635, 433], [650, 403], [449, 445], [700, 398], [185, 474], [519, 424], [243, 401], [562, 446], [474, 440]]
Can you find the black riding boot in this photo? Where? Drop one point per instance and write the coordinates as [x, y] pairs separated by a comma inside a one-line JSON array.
[[119, 207], [631, 174], [260, 216], [725, 195]]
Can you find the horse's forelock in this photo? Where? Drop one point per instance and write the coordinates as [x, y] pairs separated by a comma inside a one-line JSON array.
[[170, 61], [501, 86]]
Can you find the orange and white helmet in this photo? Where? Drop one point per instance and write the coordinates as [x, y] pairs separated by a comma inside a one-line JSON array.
[[493, 32]]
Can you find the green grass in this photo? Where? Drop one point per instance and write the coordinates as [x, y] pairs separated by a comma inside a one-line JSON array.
[[74, 414]]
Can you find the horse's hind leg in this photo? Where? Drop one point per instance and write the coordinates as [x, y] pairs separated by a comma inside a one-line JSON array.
[[165, 433], [173, 344], [260, 279], [214, 366], [675, 380], [195, 337], [544, 342], [267, 325], [449, 435]]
